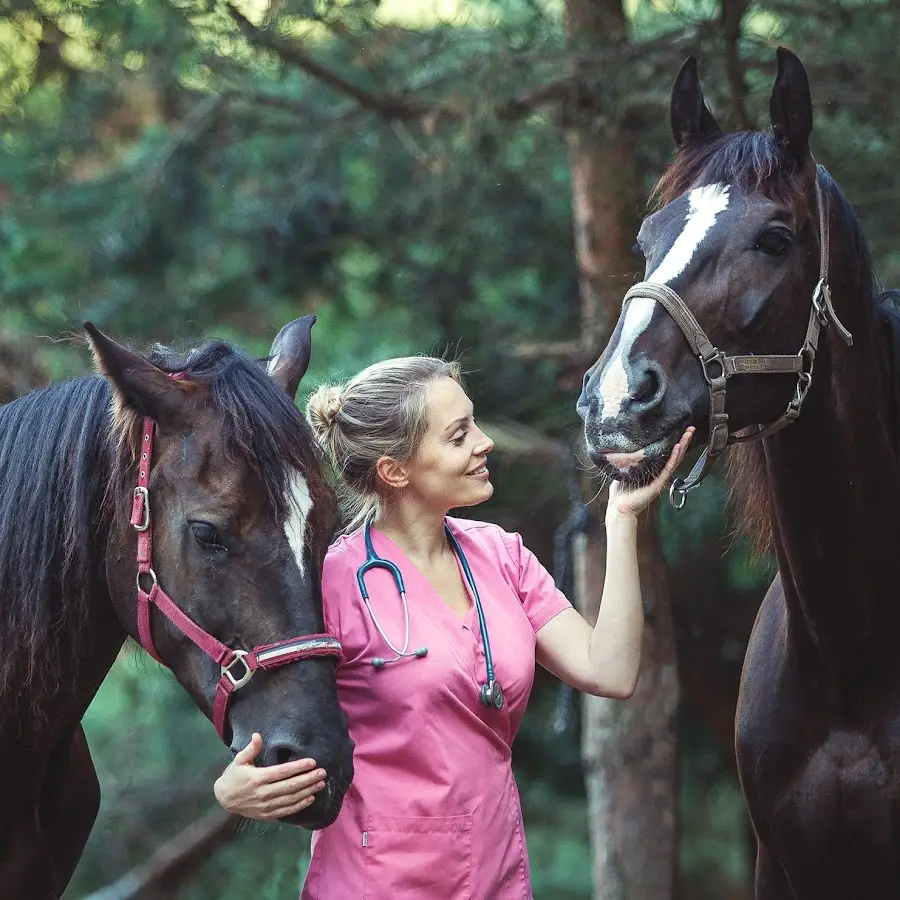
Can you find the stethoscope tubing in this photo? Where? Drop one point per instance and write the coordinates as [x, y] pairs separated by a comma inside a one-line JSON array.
[[482, 623], [491, 691]]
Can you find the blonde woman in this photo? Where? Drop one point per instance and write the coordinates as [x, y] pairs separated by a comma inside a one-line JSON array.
[[435, 681]]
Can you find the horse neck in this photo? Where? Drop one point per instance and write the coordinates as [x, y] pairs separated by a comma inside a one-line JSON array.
[[835, 502]]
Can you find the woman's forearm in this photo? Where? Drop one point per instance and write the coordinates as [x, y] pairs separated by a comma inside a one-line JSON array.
[[614, 648]]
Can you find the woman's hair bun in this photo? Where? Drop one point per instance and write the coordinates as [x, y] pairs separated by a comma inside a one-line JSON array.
[[323, 406]]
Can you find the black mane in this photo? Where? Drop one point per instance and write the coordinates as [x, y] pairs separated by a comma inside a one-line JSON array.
[[55, 461], [64, 470]]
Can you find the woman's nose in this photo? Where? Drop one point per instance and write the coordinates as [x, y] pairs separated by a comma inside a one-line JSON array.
[[485, 444]]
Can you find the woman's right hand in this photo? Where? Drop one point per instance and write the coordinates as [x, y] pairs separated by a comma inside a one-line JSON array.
[[269, 792]]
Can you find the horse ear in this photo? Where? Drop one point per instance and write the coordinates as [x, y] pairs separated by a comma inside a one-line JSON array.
[[138, 385], [289, 356], [690, 116], [791, 106]]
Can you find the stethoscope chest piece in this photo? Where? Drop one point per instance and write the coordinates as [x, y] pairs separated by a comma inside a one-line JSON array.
[[492, 695]]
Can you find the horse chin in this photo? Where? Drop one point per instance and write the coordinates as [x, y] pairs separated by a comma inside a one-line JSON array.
[[310, 822], [639, 473], [321, 814]]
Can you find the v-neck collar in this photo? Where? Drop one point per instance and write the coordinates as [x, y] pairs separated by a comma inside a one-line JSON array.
[[393, 552]]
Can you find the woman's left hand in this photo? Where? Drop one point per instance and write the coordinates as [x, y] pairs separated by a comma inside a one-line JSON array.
[[629, 503]]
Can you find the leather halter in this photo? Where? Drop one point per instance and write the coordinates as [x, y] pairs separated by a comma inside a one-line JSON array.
[[267, 656], [718, 367]]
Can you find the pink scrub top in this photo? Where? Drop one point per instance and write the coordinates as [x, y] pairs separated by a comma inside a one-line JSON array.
[[433, 812]]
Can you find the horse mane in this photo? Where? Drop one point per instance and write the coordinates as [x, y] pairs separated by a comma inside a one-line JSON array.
[[754, 162], [66, 454], [55, 459]]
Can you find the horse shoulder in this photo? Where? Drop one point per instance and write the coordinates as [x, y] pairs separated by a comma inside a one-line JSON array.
[[772, 724]]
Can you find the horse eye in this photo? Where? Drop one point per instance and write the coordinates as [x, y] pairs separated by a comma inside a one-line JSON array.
[[774, 242], [207, 535]]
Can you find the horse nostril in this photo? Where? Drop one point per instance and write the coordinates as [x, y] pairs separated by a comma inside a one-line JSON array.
[[650, 385], [276, 754]]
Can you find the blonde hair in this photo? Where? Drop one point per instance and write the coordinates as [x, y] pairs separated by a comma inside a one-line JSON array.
[[379, 412]]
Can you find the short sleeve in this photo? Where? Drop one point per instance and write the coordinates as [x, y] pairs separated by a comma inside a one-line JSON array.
[[538, 593], [334, 589]]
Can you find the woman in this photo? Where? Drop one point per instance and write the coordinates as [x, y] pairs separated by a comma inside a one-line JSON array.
[[433, 812]]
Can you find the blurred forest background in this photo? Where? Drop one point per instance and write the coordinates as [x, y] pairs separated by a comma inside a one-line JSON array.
[[461, 176]]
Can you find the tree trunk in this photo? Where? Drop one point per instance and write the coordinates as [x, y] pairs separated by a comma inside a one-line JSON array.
[[629, 749]]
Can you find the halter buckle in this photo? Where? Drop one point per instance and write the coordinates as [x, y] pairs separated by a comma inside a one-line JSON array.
[[238, 683], [144, 494], [825, 311], [820, 301]]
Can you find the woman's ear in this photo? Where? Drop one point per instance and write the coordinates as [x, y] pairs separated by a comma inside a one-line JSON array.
[[391, 473]]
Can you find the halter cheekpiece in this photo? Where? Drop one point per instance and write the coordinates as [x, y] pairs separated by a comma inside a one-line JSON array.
[[718, 367], [236, 666]]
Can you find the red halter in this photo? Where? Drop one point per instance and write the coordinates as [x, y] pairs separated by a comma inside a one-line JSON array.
[[269, 656]]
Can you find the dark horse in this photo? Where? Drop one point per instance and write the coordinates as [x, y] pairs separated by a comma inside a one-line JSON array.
[[241, 519], [754, 249]]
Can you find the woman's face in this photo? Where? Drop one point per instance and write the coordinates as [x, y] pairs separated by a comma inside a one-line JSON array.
[[450, 467]]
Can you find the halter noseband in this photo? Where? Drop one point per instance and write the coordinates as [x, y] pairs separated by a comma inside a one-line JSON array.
[[267, 656], [718, 367]]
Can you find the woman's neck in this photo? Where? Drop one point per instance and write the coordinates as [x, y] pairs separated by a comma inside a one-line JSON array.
[[418, 533]]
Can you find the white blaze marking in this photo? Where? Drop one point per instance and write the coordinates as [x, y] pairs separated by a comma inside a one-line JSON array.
[[704, 205], [299, 506], [614, 386]]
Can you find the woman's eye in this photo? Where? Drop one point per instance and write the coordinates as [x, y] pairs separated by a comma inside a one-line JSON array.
[[458, 441], [774, 242], [207, 535]]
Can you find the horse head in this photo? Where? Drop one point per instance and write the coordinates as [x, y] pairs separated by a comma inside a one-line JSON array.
[[735, 286], [238, 517]]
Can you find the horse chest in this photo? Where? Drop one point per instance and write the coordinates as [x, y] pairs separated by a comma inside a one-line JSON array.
[[845, 790], [824, 792]]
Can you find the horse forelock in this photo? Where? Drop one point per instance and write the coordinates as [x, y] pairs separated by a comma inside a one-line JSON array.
[[750, 161]]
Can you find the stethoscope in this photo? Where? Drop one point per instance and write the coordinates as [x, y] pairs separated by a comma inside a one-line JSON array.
[[491, 691]]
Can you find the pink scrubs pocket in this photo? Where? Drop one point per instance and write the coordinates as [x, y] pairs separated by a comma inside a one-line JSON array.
[[412, 858]]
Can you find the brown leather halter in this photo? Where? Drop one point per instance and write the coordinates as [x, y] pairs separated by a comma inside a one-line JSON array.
[[268, 656], [719, 367]]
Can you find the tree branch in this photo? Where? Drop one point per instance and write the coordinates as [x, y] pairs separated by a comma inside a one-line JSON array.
[[388, 107], [413, 106], [173, 861]]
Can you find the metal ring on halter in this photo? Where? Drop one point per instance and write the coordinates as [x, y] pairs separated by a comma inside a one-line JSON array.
[[677, 494], [237, 683], [152, 574], [718, 358]]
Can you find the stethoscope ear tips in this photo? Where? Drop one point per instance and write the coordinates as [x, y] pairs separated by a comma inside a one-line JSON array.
[[422, 651]]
